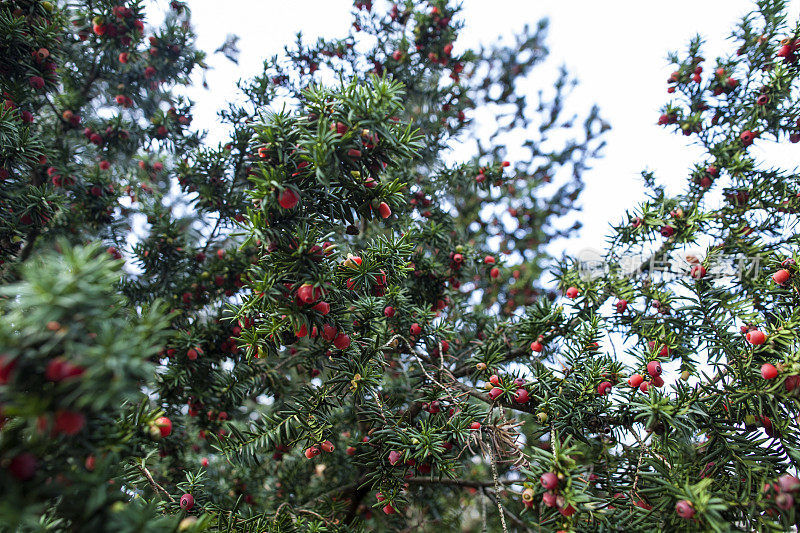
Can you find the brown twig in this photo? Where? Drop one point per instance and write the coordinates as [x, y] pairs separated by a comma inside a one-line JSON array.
[[153, 482]]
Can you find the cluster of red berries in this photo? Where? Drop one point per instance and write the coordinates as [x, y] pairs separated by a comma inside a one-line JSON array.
[[424, 468], [125, 27], [654, 370], [783, 491], [552, 498], [516, 389], [313, 451], [706, 177], [495, 173], [388, 508], [58, 369]]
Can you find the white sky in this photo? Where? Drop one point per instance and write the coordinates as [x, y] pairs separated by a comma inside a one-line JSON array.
[[616, 49]]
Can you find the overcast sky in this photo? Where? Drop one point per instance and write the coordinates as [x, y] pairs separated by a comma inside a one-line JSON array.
[[616, 49]]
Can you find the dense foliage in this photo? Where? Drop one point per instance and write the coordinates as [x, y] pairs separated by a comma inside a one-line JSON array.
[[335, 322]]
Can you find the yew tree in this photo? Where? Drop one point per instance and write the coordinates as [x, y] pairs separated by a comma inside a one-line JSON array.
[[347, 318]]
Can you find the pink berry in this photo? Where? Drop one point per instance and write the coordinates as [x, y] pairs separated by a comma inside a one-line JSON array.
[[684, 509], [768, 371], [756, 337], [187, 502], [549, 480]]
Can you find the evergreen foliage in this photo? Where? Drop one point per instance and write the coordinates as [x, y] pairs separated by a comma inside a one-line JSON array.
[[335, 322]]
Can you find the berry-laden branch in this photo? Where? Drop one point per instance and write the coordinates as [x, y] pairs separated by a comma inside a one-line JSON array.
[[325, 322]]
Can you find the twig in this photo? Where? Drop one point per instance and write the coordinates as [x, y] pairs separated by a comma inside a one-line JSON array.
[[514, 518], [153, 482], [468, 483], [497, 491]]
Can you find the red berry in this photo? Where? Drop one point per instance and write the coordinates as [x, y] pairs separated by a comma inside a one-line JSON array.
[[494, 379], [549, 499], [604, 388], [288, 199], [621, 306], [341, 341], [698, 272], [322, 308], [37, 82], [329, 332], [388, 509], [69, 422], [23, 466], [768, 371], [311, 452], [635, 380], [645, 386], [187, 502], [549, 480], [327, 446], [384, 210], [494, 273], [654, 368], [536, 346], [307, 293], [789, 483], [684, 509], [572, 293], [756, 337], [792, 383], [388, 311], [415, 329], [489, 260], [59, 369], [781, 276], [165, 425], [569, 510], [350, 450], [475, 425], [204, 462], [394, 457], [191, 354], [495, 393], [522, 396]]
